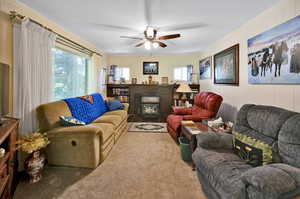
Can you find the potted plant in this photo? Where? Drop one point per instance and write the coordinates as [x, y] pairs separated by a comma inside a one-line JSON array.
[[34, 163]]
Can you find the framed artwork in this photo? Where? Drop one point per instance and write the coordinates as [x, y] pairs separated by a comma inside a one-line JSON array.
[[274, 55], [226, 66], [205, 68], [165, 80], [150, 68]]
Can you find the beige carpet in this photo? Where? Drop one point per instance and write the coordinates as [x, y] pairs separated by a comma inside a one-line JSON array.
[[141, 166]]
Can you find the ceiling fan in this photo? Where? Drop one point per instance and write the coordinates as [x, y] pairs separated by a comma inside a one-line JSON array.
[[151, 40]]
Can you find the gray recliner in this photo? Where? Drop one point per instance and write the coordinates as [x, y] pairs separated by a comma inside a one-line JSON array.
[[223, 175]]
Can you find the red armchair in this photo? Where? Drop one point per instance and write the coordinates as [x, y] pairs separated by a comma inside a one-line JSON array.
[[206, 106]]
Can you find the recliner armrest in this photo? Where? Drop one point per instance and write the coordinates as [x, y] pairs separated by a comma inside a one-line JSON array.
[[273, 180], [182, 111], [214, 140]]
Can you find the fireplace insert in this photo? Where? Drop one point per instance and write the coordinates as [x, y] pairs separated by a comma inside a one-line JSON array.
[[150, 106]]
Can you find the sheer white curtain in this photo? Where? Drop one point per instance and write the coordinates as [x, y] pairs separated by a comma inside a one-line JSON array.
[[102, 81], [33, 71]]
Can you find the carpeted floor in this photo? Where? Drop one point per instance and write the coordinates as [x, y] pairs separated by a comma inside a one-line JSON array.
[[141, 166]]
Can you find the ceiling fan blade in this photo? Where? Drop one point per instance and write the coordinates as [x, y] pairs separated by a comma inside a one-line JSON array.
[[161, 44], [114, 28], [182, 27], [166, 37], [140, 44], [129, 37]]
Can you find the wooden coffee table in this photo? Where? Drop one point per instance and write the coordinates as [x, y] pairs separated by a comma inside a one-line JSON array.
[[189, 132]]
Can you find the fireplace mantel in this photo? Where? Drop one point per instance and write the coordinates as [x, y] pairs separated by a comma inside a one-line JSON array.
[[132, 94]]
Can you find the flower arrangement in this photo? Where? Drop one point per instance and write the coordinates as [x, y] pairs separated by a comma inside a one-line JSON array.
[[33, 142]]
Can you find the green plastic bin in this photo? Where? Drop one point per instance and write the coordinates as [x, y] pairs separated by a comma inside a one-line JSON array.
[[186, 153]]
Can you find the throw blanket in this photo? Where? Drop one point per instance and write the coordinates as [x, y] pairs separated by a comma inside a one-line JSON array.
[[85, 111]]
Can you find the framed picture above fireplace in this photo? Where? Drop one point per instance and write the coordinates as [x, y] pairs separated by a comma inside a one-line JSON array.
[[150, 68]]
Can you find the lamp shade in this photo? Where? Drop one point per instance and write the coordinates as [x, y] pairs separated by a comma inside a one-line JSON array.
[[184, 88]]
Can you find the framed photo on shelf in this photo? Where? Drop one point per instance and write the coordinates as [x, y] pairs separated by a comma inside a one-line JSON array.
[[150, 68], [205, 68], [226, 66]]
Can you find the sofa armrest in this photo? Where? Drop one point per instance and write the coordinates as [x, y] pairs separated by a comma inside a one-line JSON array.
[[272, 180], [126, 106], [214, 140], [182, 111], [77, 146]]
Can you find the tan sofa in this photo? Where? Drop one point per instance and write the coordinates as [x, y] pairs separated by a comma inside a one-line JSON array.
[[80, 146]]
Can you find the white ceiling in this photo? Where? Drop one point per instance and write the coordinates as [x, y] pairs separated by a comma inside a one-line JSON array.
[[102, 22]]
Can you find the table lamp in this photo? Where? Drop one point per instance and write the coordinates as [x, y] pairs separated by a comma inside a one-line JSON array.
[[184, 88]]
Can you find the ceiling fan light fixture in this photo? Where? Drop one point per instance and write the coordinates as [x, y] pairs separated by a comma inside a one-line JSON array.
[[150, 32], [155, 45], [148, 45]]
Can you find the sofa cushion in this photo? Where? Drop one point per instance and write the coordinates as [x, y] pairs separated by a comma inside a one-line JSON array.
[[289, 141], [223, 169], [121, 113], [115, 105], [115, 120], [267, 120]]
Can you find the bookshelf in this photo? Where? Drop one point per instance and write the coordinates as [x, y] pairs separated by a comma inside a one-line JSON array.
[[8, 164]]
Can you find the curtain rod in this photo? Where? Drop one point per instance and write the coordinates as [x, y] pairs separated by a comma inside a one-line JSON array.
[[70, 43]]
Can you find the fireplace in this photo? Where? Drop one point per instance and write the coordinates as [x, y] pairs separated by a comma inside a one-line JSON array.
[[150, 106], [150, 103]]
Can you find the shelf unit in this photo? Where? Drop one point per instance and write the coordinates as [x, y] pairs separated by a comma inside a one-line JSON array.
[[190, 96], [8, 163], [119, 91]]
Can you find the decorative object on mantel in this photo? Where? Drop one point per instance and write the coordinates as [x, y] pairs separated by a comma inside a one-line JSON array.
[[226, 66], [150, 79], [150, 68], [164, 80], [34, 163], [205, 68], [274, 55], [134, 80]]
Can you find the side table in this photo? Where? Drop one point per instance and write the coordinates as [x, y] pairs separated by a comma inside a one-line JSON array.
[[190, 132]]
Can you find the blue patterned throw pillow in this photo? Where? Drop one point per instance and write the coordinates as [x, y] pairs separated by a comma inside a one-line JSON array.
[[115, 105], [70, 121]]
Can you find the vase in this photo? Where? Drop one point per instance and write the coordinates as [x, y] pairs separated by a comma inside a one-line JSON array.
[[34, 165]]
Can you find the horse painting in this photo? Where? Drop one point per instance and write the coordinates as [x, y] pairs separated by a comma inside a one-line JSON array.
[[279, 48]]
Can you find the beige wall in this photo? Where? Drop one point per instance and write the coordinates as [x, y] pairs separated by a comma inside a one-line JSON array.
[[166, 64], [6, 34], [286, 96]]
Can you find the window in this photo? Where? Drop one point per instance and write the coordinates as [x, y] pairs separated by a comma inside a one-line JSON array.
[[122, 72], [70, 74], [180, 73], [183, 73]]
